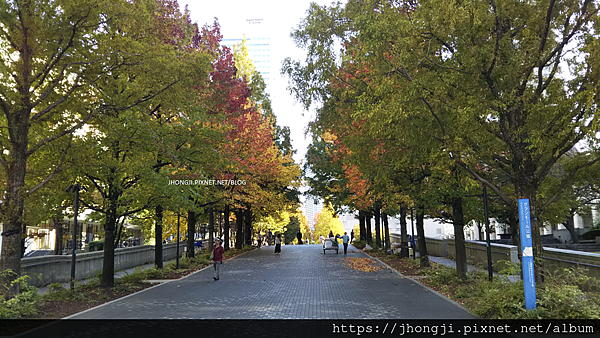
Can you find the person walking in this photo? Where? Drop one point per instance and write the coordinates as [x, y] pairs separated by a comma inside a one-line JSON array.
[[259, 239], [351, 235], [299, 236], [278, 244], [345, 240], [217, 257]]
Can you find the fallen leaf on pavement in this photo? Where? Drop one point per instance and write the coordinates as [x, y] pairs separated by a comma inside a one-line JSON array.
[[362, 264]]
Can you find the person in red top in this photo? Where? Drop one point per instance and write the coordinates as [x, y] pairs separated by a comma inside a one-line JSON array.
[[217, 257]]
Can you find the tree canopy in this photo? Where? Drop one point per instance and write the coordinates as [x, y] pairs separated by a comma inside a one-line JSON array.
[[498, 92], [124, 98]]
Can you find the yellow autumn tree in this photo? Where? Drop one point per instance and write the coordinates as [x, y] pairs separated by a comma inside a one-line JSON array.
[[326, 222]]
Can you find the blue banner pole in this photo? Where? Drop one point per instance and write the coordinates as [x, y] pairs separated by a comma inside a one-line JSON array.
[[527, 254]]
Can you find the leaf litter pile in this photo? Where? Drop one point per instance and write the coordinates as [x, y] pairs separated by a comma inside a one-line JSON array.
[[362, 264]]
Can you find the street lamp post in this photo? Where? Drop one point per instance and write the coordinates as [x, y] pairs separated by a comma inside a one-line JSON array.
[[177, 258], [76, 188]]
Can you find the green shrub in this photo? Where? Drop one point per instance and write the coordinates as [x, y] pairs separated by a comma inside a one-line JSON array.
[[96, 245], [508, 267], [567, 294], [57, 292], [24, 304], [570, 294], [359, 244], [186, 263], [441, 275], [567, 302], [154, 273], [498, 300], [204, 255], [476, 275], [201, 261], [137, 276], [574, 276], [21, 306], [95, 280], [467, 291]]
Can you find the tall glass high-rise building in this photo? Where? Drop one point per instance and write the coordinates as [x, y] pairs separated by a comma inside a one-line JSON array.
[[259, 46], [312, 207]]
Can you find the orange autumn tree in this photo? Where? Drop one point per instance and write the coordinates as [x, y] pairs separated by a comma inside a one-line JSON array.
[[359, 158], [253, 176], [262, 173]]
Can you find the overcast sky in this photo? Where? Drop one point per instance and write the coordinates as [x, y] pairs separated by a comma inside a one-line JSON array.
[[279, 18]]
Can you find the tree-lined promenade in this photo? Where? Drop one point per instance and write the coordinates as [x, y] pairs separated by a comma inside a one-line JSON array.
[[123, 97], [421, 104]]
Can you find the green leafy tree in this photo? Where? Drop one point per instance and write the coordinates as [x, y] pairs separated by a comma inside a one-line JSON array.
[[113, 177], [326, 222], [54, 54], [485, 81], [292, 229], [242, 60], [129, 147], [276, 224]]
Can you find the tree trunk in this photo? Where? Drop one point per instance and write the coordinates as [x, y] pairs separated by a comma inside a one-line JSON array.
[[158, 234], [570, 225], [459, 237], [221, 226], [386, 232], [361, 225], [108, 261], [368, 225], [211, 227], [226, 228], [423, 255], [120, 227], [403, 233], [58, 231], [248, 226], [191, 233], [12, 205], [23, 239], [377, 213], [239, 232]]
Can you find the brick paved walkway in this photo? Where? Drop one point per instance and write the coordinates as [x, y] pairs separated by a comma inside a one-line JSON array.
[[301, 283]]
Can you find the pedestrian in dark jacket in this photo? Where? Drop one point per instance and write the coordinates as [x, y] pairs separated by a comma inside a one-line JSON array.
[[278, 244], [217, 257]]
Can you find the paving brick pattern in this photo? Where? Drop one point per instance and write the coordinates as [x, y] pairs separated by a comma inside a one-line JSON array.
[[300, 283]]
